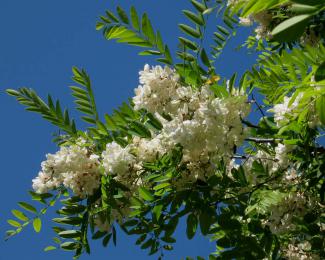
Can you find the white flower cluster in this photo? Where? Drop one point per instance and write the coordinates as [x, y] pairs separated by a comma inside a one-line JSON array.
[[293, 205], [300, 252], [278, 161], [263, 18], [72, 167], [121, 163], [157, 87], [207, 128], [284, 111], [117, 160]]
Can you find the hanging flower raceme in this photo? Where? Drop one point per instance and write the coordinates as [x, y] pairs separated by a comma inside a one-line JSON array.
[[208, 128], [73, 167]]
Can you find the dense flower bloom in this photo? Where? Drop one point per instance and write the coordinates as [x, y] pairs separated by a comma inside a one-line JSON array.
[[283, 112], [116, 159], [207, 128], [72, 167], [300, 252], [292, 205], [157, 86]]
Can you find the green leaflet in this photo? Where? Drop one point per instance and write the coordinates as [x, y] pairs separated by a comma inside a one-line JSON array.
[[290, 29], [320, 72], [195, 18], [135, 18], [320, 108], [145, 194], [37, 224], [190, 31], [50, 111], [84, 96], [138, 32], [27, 207], [192, 223], [20, 215], [49, 248]]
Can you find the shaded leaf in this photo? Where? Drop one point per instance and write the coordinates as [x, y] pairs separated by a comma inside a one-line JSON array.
[[290, 29], [27, 206], [192, 223]]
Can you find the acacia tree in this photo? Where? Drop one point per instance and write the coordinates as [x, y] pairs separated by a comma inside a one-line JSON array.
[[184, 147]]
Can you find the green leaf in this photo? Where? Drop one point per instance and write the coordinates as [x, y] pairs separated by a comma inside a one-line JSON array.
[[27, 207], [189, 44], [49, 248], [220, 37], [112, 16], [154, 122], [145, 194], [147, 244], [156, 211], [302, 9], [135, 18], [205, 222], [190, 31], [204, 58], [20, 215], [290, 29], [149, 52], [140, 129], [107, 239], [320, 108], [114, 235], [13, 223], [309, 2], [197, 19], [70, 234], [192, 223], [161, 186], [223, 30], [320, 72], [122, 14], [198, 6], [69, 246], [160, 43], [37, 224], [99, 26], [12, 92], [75, 221], [98, 234], [147, 29]]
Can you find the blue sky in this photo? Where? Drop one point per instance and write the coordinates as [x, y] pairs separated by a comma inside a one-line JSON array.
[[40, 41]]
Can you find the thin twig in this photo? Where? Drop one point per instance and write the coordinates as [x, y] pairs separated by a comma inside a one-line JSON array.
[[263, 140]]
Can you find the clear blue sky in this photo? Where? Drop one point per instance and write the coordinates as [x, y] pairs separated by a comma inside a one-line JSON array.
[[40, 41]]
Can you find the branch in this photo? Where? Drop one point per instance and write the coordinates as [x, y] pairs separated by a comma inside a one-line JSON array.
[[263, 140]]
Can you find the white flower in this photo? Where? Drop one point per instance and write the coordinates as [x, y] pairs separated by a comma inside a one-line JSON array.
[[116, 159], [246, 21], [148, 150], [294, 204], [72, 167], [157, 86], [281, 155], [261, 32], [300, 252], [283, 111]]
